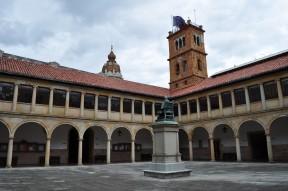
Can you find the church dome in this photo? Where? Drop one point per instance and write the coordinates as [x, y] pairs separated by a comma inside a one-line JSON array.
[[111, 68]]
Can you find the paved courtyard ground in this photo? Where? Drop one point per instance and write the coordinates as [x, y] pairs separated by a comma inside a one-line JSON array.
[[214, 176]]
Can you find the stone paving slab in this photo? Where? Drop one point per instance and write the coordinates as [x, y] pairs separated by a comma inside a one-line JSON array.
[[214, 176]]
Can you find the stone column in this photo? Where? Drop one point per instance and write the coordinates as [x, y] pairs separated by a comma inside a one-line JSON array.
[[247, 100], [80, 151], [132, 151], [179, 111], [108, 151], [15, 97], [153, 112], [82, 104], [212, 152], [208, 106], [233, 102], [33, 98], [269, 148], [198, 108], [238, 149], [121, 108], [67, 103], [188, 110], [109, 108], [220, 104], [96, 106], [51, 101], [143, 110], [9, 153], [47, 152], [132, 110], [263, 101], [280, 94], [190, 149]]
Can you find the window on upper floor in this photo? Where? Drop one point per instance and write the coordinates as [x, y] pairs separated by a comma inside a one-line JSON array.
[[176, 44], [42, 95], [185, 66], [198, 39], [226, 99], [214, 101], [102, 103], [138, 107], [89, 101], [193, 106], [270, 90], [148, 108], [74, 99], [254, 93], [203, 104], [25, 94], [284, 85], [175, 108], [59, 97], [127, 105], [6, 91], [157, 108], [183, 108], [115, 104], [239, 95], [177, 69]]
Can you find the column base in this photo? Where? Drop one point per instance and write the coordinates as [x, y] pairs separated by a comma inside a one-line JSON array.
[[167, 170]]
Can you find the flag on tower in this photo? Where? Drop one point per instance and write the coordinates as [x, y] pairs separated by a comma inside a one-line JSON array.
[[178, 21]]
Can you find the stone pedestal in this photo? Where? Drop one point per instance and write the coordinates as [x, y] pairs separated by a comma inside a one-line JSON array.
[[166, 162]]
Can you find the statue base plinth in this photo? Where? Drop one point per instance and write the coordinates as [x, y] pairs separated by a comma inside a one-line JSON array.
[[167, 170]]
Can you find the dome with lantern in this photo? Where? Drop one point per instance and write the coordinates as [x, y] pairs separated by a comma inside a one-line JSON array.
[[111, 68]]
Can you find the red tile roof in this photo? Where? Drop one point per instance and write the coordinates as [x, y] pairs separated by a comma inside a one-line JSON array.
[[14, 65], [273, 63], [30, 68]]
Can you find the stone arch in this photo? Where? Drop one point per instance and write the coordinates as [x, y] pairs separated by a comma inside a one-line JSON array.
[[278, 130], [115, 128], [271, 121], [143, 128], [42, 124], [247, 120], [143, 144], [201, 144], [29, 143], [98, 126], [65, 123], [224, 142], [252, 139]]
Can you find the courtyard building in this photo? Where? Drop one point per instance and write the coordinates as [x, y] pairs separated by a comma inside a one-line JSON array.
[[55, 115]]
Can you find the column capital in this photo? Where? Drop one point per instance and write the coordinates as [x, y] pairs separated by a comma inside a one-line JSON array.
[[11, 138], [48, 138], [80, 139]]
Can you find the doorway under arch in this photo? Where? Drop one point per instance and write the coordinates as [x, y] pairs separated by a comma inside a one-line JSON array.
[[201, 146], [183, 145], [279, 139], [4, 139], [143, 145], [253, 142], [121, 145]]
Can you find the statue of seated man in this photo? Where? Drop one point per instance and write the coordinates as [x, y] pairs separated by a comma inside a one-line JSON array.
[[166, 112]]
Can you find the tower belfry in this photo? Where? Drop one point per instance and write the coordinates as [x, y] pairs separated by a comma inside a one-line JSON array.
[[111, 68], [187, 56]]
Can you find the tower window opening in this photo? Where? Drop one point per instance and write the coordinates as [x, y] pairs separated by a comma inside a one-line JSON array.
[[183, 39], [180, 43], [185, 66], [176, 44], [177, 69]]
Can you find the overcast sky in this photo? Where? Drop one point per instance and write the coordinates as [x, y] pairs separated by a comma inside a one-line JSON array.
[[78, 33]]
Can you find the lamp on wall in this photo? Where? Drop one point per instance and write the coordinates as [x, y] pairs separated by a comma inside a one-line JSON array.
[[119, 132], [224, 129]]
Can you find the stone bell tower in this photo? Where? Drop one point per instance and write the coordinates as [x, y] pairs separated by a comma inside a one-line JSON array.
[[111, 68], [187, 56]]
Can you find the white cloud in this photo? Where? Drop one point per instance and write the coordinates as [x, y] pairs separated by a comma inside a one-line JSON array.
[[79, 35]]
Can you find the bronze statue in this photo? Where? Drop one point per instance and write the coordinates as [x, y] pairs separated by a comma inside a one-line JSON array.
[[166, 112]]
